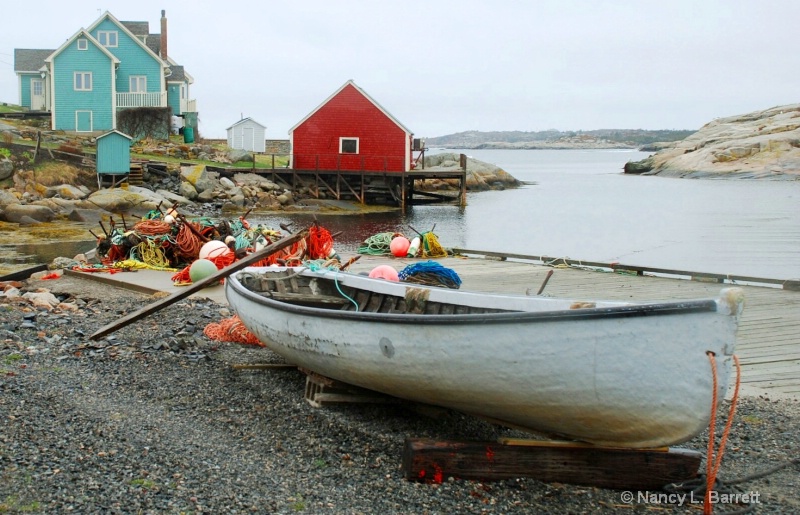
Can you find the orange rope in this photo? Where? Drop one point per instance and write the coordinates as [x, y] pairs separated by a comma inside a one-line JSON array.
[[188, 242], [152, 227], [231, 330], [320, 242], [712, 463]]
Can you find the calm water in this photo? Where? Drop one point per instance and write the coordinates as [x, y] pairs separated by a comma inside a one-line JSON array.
[[582, 207]]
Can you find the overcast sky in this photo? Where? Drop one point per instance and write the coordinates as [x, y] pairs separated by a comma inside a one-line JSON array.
[[441, 67]]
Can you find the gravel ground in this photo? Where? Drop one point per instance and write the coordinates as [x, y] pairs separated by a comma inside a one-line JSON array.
[[155, 419]]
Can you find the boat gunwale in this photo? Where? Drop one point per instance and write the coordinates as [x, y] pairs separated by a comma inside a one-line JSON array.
[[632, 310]]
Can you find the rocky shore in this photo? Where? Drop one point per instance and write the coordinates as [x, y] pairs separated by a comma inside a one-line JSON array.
[[759, 145], [156, 418]]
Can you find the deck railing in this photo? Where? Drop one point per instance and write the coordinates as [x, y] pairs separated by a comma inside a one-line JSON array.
[[125, 100], [348, 162]]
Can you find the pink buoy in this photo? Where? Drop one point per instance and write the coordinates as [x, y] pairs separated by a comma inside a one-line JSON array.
[[399, 246], [384, 272]]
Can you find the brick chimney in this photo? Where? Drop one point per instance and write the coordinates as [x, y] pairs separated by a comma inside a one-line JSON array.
[[163, 35]]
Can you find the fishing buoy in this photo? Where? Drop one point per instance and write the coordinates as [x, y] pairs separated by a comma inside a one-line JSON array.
[[169, 219], [413, 248], [399, 246], [213, 249], [384, 272], [201, 269]]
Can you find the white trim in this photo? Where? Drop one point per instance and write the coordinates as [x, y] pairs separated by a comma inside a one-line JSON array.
[[349, 138], [83, 44], [124, 29], [364, 93]]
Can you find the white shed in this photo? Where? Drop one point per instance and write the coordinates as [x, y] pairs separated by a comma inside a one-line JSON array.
[[247, 134]]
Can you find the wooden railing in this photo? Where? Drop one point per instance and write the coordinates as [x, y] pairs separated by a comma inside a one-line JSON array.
[[125, 100], [188, 106]]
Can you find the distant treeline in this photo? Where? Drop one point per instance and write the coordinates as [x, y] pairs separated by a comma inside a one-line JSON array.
[[634, 137]]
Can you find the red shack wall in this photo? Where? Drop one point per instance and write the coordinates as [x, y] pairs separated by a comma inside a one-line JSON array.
[[382, 143]]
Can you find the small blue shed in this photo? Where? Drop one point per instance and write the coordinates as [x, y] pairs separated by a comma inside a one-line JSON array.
[[113, 157]]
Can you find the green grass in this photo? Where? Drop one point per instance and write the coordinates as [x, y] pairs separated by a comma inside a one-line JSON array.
[[9, 108]]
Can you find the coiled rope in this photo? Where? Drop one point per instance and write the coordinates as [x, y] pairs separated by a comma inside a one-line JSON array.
[[320, 242], [378, 244], [430, 273], [431, 247], [231, 330]]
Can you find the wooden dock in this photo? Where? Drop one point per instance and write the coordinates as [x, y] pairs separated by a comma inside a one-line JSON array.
[[768, 342]]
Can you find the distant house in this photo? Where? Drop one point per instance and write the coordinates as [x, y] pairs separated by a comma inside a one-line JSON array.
[[350, 131], [109, 66], [247, 134]]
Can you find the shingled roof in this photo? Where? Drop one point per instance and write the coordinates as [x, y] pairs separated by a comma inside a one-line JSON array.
[[30, 59], [137, 28]]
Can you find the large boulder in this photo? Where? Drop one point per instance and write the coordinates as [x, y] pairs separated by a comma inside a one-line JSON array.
[[66, 191], [762, 144], [480, 175], [236, 155], [174, 198], [198, 177], [16, 213], [6, 169], [7, 197], [119, 200]]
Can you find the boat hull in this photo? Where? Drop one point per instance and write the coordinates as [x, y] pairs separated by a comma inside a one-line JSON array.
[[615, 376]]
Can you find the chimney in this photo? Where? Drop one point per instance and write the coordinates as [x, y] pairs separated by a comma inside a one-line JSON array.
[[163, 35]]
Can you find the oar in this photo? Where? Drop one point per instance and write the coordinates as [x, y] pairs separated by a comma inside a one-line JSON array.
[[183, 293]]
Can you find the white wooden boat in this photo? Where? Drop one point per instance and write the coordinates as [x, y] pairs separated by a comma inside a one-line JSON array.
[[609, 373]]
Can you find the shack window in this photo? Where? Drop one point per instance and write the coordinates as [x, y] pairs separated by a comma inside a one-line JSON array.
[[348, 145], [83, 44]]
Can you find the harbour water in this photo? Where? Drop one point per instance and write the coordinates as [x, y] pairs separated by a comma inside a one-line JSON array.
[[580, 205]]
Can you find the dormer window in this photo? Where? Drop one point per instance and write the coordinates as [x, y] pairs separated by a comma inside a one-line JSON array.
[[83, 44], [107, 38]]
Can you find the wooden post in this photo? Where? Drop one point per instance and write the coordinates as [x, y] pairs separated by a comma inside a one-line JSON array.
[[562, 462]]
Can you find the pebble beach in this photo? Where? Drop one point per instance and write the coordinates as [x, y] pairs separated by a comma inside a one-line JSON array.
[[158, 418]]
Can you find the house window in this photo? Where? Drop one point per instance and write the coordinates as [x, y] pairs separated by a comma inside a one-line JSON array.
[[183, 91], [83, 81], [348, 145], [107, 37], [138, 84], [83, 44]]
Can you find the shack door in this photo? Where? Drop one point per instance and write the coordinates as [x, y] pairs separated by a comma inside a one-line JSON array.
[[37, 95], [83, 121], [248, 138]]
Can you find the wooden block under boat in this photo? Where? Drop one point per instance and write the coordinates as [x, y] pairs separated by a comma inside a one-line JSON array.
[[321, 390], [562, 462]]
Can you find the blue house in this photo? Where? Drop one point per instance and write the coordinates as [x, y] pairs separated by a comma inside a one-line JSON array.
[[109, 66]]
